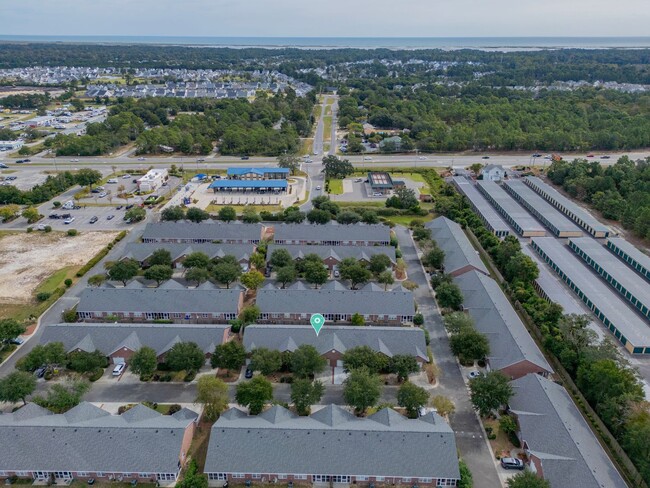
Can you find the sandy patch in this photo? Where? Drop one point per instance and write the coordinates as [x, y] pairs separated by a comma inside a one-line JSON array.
[[27, 259]]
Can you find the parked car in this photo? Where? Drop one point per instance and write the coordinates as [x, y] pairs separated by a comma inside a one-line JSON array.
[[142, 159], [119, 369], [102, 194], [110, 217], [358, 180], [3, 165], [473, 374], [318, 187], [367, 158], [537, 155], [27, 160], [126, 176], [69, 220], [94, 219], [111, 180], [40, 372], [119, 207], [422, 158], [512, 463], [249, 373], [130, 206], [40, 227], [604, 157], [17, 341], [590, 155]]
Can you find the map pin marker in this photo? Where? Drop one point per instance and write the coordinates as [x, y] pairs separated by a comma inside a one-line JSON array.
[[317, 322]]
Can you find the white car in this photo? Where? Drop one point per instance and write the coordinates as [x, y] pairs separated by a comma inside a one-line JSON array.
[[358, 180], [102, 194], [40, 227], [318, 187], [112, 180], [119, 369], [68, 220], [422, 158], [473, 374], [126, 176], [142, 159], [367, 158]]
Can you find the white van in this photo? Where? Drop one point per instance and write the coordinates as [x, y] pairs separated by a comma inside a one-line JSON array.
[[69, 205], [112, 180], [118, 369]]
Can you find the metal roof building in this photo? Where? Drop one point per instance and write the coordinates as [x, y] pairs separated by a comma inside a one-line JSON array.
[[561, 446], [512, 350], [637, 260], [255, 173], [514, 213], [333, 445], [626, 282], [630, 329], [460, 255], [572, 210], [540, 208], [490, 217]]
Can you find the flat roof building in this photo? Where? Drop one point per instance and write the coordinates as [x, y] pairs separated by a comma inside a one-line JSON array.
[[490, 217], [208, 231], [626, 282], [333, 234], [630, 329], [514, 213], [569, 208], [557, 223], [639, 261], [380, 181], [332, 446]]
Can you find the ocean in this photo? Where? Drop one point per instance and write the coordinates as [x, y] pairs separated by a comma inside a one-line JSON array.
[[447, 43]]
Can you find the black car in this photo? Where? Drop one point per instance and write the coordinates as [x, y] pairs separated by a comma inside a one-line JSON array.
[[20, 161], [128, 207], [248, 374], [65, 216], [245, 158], [94, 219], [54, 216], [40, 372], [119, 207]]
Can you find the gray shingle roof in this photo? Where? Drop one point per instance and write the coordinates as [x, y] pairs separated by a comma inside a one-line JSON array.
[[339, 252], [205, 230], [335, 301], [159, 300], [108, 338], [87, 438], [141, 251], [332, 441], [556, 432], [333, 232], [389, 340], [494, 316], [459, 251]]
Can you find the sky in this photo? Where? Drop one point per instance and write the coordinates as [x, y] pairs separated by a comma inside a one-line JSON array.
[[328, 18]]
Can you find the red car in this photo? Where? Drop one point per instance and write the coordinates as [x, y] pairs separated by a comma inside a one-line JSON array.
[[590, 155]]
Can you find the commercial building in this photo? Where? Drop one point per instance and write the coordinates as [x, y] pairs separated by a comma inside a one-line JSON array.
[[208, 231], [460, 255], [336, 302], [515, 215], [493, 172], [490, 217], [557, 440], [333, 341], [637, 260], [88, 442], [333, 255], [142, 252], [569, 208], [254, 186], [557, 223], [11, 145], [152, 180], [625, 281], [381, 182], [512, 350], [333, 234], [257, 173], [120, 341], [630, 329], [332, 446], [205, 304]]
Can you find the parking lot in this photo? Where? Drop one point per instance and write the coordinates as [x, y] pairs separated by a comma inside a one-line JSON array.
[[107, 193], [82, 217], [359, 191]]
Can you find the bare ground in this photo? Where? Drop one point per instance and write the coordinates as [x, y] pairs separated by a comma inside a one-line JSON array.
[[27, 259]]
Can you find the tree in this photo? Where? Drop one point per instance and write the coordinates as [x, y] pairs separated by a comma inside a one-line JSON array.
[[527, 479], [186, 356], [96, 280], [386, 278], [306, 361], [449, 296], [369, 217], [159, 273], [286, 274], [8, 212], [173, 213], [291, 161], [364, 357], [196, 259], [197, 215], [226, 272], [605, 381], [434, 258], [213, 394], [135, 214], [317, 216], [250, 216], [316, 273], [507, 424], [254, 394], [357, 319], [10, 329], [123, 270], [362, 389], [333, 167], [466, 480], [348, 217], [469, 345], [257, 260], [252, 280], [227, 213], [87, 177], [378, 264], [353, 270], [456, 322], [31, 214], [48, 355], [403, 365], [249, 314], [197, 275], [266, 361], [160, 257], [17, 386], [85, 362], [304, 394], [421, 233], [193, 478], [280, 258], [62, 397], [144, 361], [443, 405], [294, 216], [230, 355], [403, 198], [412, 398], [521, 268], [489, 391]]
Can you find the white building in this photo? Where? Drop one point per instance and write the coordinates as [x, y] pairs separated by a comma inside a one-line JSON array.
[[493, 172], [11, 145], [152, 180]]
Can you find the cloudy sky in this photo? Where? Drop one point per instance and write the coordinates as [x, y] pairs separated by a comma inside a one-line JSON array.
[[331, 18]]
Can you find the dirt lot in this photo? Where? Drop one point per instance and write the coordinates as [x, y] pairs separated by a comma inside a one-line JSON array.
[[28, 259]]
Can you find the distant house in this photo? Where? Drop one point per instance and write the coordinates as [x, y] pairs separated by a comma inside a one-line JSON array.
[[393, 143], [460, 255], [333, 234], [332, 446], [493, 172], [257, 173], [142, 252], [333, 255], [120, 341], [337, 303], [88, 442], [208, 231], [11, 145]]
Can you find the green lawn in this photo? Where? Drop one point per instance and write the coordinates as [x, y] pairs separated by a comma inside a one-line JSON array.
[[56, 280], [336, 187], [406, 219], [327, 130]]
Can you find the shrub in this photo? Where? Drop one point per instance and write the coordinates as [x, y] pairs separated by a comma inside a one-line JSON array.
[[43, 296], [166, 377], [68, 282], [73, 232], [189, 376], [96, 374], [174, 408], [56, 204], [30, 230], [418, 319], [47, 229], [147, 377]]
